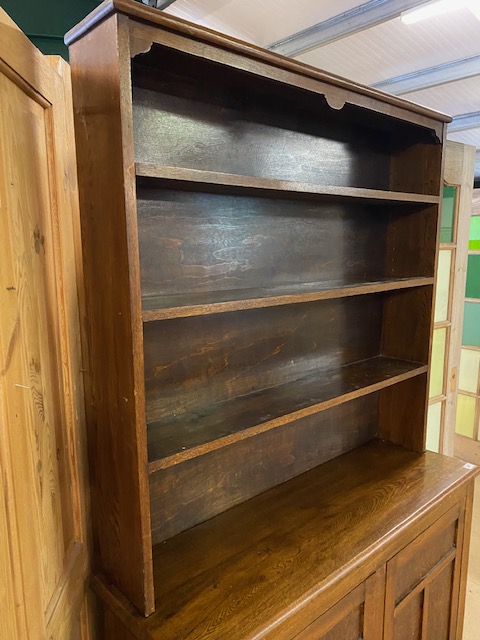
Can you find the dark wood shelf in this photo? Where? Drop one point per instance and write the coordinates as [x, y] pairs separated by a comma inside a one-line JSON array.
[[181, 177], [200, 304], [228, 577], [189, 435]]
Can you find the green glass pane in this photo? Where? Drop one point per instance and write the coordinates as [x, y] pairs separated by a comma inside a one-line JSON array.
[[471, 325], [465, 423], [448, 212], [443, 284], [438, 362], [474, 244], [434, 421], [469, 370], [473, 277]]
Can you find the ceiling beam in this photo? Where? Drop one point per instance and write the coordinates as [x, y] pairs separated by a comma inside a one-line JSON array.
[[464, 122], [431, 77], [345, 24]]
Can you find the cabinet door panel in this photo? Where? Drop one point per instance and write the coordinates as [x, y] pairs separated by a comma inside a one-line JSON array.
[[344, 621], [439, 593], [358, 616], [408, 619], [417, 560], [423, 583], [350, 628]]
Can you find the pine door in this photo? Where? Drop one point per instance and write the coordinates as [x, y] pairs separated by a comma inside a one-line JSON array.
[[43, 551], [450, 288]]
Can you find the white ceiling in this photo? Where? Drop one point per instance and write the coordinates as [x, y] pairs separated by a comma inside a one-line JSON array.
[[454, 98], [259, 21], [394, 48], [370, 56]]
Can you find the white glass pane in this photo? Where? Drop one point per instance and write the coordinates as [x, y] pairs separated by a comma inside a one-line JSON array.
[[437, 366], [434, 421], [443, 284]]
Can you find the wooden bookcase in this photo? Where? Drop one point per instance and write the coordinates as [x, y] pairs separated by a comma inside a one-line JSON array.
[[259, 251]]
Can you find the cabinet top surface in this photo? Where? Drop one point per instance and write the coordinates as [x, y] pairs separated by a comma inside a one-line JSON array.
[[155, 17], [263, 559]]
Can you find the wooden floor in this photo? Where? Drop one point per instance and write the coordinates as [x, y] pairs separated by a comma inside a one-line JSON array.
[[471, 629]]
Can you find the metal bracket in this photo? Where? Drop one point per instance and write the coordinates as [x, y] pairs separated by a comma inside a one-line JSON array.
[[157, 4]]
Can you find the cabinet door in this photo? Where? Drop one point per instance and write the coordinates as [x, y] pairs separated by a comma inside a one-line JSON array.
[[43, 519], [423, 584], [358, 616]]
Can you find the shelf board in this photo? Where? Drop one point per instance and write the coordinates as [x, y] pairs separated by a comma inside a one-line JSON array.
[[174, 440], [232, 575], [183, 176], [200, 304]]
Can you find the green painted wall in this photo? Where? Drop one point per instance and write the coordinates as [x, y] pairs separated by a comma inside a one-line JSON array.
[[46, 21]]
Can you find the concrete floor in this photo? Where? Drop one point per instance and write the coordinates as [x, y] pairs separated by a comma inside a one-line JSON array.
[[471, 630]]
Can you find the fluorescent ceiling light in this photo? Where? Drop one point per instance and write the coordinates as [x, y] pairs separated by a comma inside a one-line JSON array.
[[434, 9]]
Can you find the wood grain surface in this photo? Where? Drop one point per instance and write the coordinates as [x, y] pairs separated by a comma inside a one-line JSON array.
[[114, 379], [270, 248], [199, 304], [220, 182], [231, 575], [198, 489], [193, 242], [191, 363], [194, 433], [44, 537], [152, 20], [253, 140]]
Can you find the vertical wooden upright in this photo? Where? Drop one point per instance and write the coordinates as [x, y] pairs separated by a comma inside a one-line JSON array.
[[115, 404], [44, 558], [458, 173]]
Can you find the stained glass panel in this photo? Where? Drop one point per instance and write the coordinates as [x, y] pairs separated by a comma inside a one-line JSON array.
[[438, 362], [443, 284], [465, 424], [473, 277], [469, 370], [474, 244], [434, 421], [448, 212], [471, 324]]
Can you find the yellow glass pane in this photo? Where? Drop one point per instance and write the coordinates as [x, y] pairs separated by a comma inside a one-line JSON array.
[[469, 370], [438, 362], [443, 284], [465, 415], [434, 421]]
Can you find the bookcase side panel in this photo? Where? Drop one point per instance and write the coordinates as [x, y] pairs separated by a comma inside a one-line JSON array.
[[114, 379]]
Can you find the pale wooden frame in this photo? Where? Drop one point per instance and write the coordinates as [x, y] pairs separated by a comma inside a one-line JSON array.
[[458, 171]]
